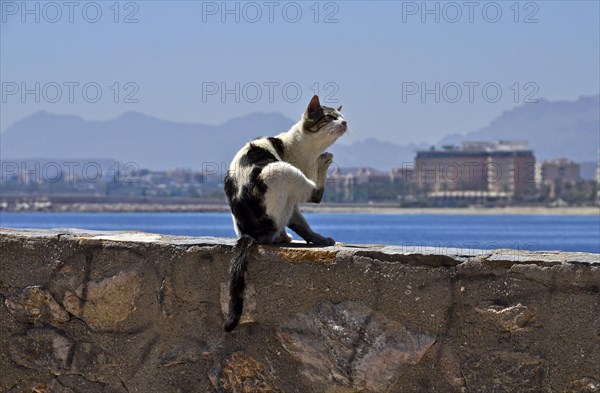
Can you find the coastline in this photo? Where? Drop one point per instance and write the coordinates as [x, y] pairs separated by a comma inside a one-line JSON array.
[[326, 208], [513, 210]]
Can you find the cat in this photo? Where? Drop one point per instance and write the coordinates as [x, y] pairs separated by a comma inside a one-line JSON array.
[[266, 181]]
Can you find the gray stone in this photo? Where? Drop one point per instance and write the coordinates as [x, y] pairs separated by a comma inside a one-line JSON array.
[[543, 257], [352, 346], [91, 361], [52, 349], [504, 372], [45, 348], [185, 352], [35, 304], [179, 354]]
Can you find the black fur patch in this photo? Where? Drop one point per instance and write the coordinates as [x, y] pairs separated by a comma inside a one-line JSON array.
[[247, 202], [251, 215], [258, 183], [230, 188], [237, 280], [317, 195], [258, 156], [277, 145], [248, 208]]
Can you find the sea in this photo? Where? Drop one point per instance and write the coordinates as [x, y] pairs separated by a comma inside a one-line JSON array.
[[412, 231]]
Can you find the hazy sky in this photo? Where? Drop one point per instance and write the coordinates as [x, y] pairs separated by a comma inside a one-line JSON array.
[[175, 58]]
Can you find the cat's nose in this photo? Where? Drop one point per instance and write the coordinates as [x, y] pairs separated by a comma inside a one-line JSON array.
[[344, 122]]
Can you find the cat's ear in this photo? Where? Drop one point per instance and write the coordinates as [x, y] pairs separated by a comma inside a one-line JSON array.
[[339, 108], [314, 105]]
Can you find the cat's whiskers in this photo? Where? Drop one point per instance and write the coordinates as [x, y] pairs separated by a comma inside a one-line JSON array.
[[349, 136]]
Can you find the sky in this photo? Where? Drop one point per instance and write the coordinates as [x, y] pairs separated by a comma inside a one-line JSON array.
[[405, 71]]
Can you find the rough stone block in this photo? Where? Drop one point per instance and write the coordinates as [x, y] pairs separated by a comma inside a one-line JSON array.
[[352, 346], [102, 305], [35, 304]]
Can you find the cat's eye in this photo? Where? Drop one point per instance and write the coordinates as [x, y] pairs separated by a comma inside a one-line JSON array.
[[330, 117]]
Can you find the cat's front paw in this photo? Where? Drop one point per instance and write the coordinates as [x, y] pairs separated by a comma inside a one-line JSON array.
[[325, 160], [328, 242], [323, 241]]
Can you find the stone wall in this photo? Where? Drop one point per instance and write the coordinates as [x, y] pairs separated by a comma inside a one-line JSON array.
[[134, 312]]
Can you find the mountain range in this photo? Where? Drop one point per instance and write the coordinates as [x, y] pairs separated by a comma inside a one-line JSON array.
[[554, 129], [568, 129]]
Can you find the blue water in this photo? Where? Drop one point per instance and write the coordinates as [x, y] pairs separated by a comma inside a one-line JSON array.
[[529, 232]]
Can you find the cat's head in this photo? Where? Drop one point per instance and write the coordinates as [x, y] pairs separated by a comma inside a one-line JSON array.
[[322, 122]]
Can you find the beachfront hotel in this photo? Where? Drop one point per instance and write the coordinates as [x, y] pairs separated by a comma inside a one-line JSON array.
[[499, 170]]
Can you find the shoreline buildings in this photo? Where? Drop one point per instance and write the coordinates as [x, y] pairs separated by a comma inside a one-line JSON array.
[[477, 171], [497, 173]]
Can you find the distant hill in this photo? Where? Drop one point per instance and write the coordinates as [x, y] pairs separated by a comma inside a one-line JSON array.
[[554, 129], [374, 153], [134, 137], [158, 144]]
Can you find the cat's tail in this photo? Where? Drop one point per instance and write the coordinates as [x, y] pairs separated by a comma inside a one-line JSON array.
[[237, 280]]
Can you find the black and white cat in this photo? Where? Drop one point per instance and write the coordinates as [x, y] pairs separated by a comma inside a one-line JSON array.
[[266, 181]]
